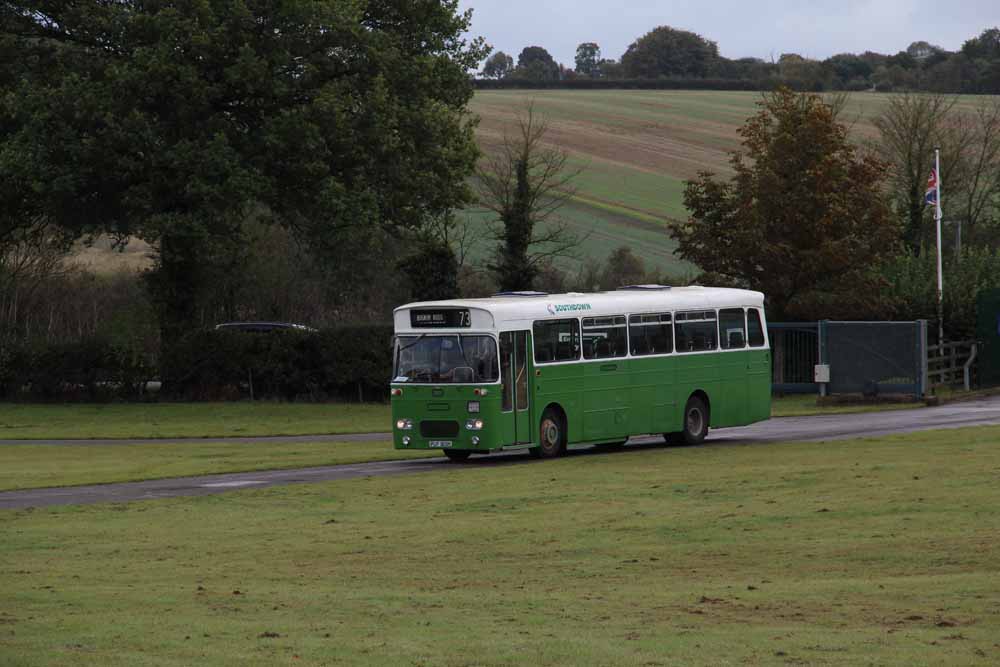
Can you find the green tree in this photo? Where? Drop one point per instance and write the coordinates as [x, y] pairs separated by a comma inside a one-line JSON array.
[[910, 127], [537, 64], [803, 217], [432, 270], [588, 59], [623, 268], [524, 183], [668, 52], [172, 121], [498, 66]]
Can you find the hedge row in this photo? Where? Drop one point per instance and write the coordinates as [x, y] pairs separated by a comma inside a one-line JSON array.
[[91, 369], [349, 363]]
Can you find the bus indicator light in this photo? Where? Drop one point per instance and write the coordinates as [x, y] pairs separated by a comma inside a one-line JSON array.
[[397, 392]]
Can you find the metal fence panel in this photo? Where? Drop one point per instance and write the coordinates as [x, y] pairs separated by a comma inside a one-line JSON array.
[[874, 357], [794, 354]]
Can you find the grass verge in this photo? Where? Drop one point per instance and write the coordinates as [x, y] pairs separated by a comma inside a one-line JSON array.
[[878, 551], [206, 420], [189, 420], [37, 466], [805, 405]]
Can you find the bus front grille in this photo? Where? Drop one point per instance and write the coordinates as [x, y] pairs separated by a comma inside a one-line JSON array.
[[439, 428]]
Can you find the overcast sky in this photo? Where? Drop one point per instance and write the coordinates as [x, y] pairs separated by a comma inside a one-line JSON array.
[[759, 28]]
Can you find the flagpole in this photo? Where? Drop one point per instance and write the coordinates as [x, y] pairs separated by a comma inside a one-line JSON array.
[[940, 277]]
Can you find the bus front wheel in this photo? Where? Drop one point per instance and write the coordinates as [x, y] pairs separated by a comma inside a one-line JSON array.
[[457, 454], [551, 435]]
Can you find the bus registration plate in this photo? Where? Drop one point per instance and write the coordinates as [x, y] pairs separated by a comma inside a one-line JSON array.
[[440, 444]]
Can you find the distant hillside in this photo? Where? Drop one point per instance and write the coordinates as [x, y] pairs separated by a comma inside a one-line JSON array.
[[637, 148]]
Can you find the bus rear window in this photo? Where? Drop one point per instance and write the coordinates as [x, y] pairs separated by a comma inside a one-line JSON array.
[[696, 331], [557, 340]]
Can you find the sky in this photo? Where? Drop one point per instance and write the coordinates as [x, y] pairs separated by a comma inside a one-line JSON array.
[[748, 28]]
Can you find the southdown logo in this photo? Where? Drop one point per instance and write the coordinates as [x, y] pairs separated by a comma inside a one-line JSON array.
[[566, 307]]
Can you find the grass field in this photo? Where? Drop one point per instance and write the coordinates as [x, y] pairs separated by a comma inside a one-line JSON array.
[[637, 148], [37, 466], [204, 420], [188, 420], [866, 552]]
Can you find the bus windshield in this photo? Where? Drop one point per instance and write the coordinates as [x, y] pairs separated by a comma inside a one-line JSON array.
[[435, 359]]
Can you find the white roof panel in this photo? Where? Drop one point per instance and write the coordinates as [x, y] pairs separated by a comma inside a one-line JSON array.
[[643, 299]]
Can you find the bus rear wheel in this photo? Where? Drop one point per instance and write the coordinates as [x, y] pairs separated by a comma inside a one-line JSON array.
[[695, 421], [551, 435], [457, 454]]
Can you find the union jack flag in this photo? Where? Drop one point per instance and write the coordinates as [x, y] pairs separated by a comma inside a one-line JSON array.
[[931, 196]]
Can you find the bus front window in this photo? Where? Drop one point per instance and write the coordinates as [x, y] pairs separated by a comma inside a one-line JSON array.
[[446, 360]]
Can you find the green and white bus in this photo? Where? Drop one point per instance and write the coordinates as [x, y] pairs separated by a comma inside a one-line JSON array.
[[537, 371]]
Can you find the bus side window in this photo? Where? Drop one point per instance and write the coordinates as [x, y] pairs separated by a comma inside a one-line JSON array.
[[732, 328], [556, 340], [755, 329], [696, 330], [651, 334], [605, 337]]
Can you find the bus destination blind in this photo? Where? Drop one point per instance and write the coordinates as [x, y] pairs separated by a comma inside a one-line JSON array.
[[444, 319]]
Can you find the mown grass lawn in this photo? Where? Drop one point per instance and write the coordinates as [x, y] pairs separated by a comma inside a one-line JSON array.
[[189, 420], [37, 466], [204, 420], [880, 551]]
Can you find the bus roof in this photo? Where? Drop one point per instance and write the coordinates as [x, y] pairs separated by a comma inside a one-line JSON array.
[[527, 306]]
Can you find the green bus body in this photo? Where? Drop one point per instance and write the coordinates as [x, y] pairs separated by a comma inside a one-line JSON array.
[[599, 400]]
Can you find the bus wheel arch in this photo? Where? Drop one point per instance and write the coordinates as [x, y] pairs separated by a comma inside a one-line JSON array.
[[552, 432]]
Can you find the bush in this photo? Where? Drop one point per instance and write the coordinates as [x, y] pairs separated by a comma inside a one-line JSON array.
[[88, 369], [913, 289]]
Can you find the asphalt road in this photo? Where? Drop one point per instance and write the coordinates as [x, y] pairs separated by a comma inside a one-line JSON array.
[[833, 427]]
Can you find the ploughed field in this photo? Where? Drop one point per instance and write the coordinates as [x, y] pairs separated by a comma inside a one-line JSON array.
[[637, 148], [881, 551]]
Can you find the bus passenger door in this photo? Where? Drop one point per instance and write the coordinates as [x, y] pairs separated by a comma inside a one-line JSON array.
[[522, 380], [514, 370]]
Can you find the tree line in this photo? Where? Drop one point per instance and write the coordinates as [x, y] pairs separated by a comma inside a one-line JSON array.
[[310, 162], [669, 53]]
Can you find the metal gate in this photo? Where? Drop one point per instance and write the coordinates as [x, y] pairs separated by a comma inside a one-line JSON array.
[[874, 357], [794, 355]]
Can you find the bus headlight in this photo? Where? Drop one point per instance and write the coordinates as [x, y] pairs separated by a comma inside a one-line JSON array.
[[474, 424], [404, 424]]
